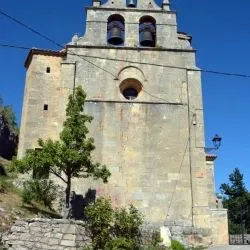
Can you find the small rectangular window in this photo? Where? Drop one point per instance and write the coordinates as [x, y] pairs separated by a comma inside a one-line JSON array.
[[48, 69], [45, 107]]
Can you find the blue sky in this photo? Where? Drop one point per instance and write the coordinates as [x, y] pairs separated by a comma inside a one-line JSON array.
[[221, 34]]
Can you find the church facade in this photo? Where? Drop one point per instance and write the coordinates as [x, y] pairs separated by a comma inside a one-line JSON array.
[[144, 91]]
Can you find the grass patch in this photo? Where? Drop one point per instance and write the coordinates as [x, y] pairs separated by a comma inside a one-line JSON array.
[[154, 248], [12, 207], [42, 211]]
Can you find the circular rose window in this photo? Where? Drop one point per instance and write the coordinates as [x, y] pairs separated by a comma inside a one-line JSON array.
[[130, 88]]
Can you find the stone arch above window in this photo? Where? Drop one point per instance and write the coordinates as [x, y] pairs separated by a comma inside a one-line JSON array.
[[147, 31], [141, 4], [131, 72], [116, 30]]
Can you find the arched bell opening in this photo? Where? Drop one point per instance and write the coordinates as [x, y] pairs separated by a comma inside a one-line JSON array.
[[116, 27], [131, 3], [147, 31], [130, 88]]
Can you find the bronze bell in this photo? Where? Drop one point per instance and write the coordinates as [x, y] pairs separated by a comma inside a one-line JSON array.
[[131, 3], [115, 36], [147, 39]]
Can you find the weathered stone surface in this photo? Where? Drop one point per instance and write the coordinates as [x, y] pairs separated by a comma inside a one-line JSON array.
[[69, 237], [68, 243], [219, 226], [67, 229], [38, 234]]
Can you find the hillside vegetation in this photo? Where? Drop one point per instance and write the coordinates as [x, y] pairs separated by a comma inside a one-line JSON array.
[[12, 207], [8, 131]]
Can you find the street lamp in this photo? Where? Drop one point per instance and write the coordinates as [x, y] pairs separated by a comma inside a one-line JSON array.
[[217, 143]]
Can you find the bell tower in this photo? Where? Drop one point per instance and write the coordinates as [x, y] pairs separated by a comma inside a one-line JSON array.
[[144, 92]]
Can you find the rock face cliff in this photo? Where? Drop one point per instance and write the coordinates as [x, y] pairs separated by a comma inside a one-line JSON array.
[[8, 138]]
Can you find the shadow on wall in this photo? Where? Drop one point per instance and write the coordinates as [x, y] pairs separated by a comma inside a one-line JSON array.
[[78, 203]]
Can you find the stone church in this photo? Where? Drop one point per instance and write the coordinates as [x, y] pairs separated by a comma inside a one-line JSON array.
[[144, 91]]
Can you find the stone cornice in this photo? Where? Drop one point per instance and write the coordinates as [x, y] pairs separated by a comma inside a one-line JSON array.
[[132, 10], [42, 52], [131, 48]]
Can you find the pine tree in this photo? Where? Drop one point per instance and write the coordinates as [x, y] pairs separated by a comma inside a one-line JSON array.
[[236, 199], [71, 155]]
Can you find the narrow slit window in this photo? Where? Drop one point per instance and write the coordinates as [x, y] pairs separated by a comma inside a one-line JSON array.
[[45, 107], [48, 70]]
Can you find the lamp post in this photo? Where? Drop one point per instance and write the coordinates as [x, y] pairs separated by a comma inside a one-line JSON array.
[[216, 142]]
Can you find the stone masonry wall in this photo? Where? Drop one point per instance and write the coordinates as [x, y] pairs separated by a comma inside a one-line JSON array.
[[57, 234], [219, 226], [49, 234]]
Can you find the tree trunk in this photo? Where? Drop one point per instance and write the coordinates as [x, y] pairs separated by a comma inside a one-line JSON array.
[[67, 192], [66, 210]]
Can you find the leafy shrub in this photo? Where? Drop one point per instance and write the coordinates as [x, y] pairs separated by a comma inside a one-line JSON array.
[[119, 243], [156, 238], [100, 217], [42, 191], [127, 223], [176, 245], [113, 228]]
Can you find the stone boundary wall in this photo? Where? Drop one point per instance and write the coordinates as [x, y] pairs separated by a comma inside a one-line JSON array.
[[56, 234], [52, 234], [59, 234]]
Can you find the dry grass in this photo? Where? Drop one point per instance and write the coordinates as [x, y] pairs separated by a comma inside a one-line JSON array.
[[12, 207]]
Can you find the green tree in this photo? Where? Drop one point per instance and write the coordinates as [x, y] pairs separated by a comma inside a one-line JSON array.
[[236, 199], [71, 155], [9, 115], [8, 131]]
